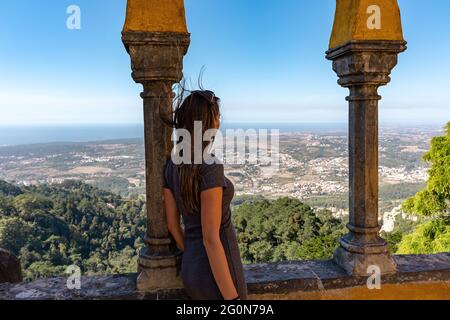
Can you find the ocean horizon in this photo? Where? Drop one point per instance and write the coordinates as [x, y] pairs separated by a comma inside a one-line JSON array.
[[35, 134]]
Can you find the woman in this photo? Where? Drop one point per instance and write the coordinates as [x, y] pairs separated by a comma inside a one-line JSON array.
[[211, 265]]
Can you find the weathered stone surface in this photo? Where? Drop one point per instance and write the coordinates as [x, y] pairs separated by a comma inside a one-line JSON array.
[[359, 263], [285, 280], [362, 67], [10, 269], [98, 287], [154, 272], [157, 63], [156, 56], [295, 276]]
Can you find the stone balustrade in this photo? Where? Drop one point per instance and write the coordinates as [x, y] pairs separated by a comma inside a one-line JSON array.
[[417, 277]]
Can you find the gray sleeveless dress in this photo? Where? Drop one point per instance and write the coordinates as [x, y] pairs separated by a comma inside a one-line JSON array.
[[196, 272]]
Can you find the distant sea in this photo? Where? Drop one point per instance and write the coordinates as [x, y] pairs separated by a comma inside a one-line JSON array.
[[16, 135]]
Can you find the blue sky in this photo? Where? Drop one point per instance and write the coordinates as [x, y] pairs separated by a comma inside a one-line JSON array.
[[264, 58]]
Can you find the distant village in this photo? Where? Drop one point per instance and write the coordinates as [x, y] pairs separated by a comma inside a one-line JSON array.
[[312, 166]]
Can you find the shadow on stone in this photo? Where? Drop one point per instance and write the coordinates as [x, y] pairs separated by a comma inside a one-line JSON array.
[[10, 270]]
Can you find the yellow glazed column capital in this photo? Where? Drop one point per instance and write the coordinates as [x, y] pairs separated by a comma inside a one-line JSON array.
[[155, 16], [366, 20]]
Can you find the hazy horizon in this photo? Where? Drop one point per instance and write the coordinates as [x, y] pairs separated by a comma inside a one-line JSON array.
[[11, 135]]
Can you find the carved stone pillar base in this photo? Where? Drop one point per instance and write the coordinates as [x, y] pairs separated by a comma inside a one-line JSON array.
[[362, 248], [158, 273], [358, 264]]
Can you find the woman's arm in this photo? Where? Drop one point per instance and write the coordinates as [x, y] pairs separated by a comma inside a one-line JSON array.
[[211, 215], [173, 219]]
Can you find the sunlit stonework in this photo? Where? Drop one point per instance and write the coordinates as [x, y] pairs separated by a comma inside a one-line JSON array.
[[354, 18]]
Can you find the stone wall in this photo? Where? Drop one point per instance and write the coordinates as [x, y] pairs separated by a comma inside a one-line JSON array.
[[418, 277], [10, 269]]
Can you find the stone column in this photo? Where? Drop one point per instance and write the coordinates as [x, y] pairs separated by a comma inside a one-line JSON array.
[[157, 63], [366, 40], [364, 66]]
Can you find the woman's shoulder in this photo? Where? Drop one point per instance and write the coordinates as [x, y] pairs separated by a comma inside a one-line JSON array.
[[211, 164], [212, 175]]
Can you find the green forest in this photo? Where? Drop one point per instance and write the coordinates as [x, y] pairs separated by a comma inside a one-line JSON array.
[[285, 229], [50, 227], [431, 205]]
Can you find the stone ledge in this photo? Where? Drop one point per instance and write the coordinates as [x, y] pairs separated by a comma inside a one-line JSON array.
[[287, 277], [265, 281]]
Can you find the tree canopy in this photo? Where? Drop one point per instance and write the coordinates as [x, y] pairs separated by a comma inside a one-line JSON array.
[[52, 226], [433, 202], [435, 198], [285, 229]]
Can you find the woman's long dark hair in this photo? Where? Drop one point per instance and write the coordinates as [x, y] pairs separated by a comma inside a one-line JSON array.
[[203, 106]]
